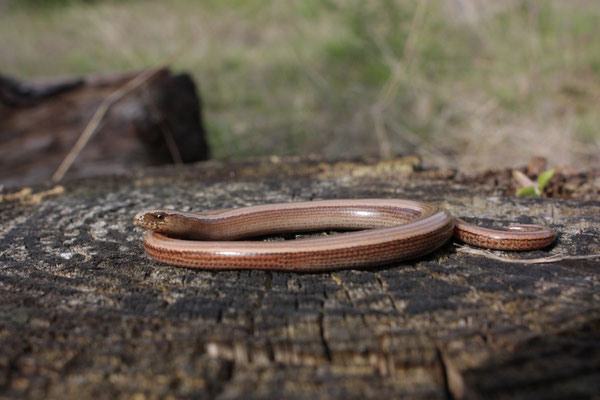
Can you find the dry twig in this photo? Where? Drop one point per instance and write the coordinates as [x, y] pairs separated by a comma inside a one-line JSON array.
[[542, 260], [92, 126]]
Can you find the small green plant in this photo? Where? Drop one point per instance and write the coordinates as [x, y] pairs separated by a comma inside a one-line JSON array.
[[530, 188]]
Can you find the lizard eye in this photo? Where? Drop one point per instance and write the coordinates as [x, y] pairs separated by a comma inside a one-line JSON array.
[[159, 216]]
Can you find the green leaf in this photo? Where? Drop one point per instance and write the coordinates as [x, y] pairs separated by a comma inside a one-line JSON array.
[[527, 191], [544, 178]]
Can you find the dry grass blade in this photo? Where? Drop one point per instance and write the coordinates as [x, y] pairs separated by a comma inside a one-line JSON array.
[[92, 126], [522, 179], [542, 260], [399, 69], [26, 195]]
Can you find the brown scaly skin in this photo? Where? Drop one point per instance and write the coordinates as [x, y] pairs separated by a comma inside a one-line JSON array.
[[387, 230]]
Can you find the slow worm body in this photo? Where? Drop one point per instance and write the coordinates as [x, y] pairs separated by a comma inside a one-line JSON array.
[[384, 231]]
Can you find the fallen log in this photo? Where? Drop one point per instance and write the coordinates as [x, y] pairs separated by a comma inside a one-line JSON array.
[[157, 122]]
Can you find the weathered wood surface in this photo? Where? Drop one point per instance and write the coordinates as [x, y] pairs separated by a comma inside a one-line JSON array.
[[159, 122], [84, 313]]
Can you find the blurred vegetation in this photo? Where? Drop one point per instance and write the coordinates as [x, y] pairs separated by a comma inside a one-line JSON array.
[[468, 83]]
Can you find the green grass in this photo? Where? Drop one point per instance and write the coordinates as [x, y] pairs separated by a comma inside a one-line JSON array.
[[346, 78]]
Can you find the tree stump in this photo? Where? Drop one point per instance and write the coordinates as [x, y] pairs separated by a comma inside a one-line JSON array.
[[159, 122], [84, 313]]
